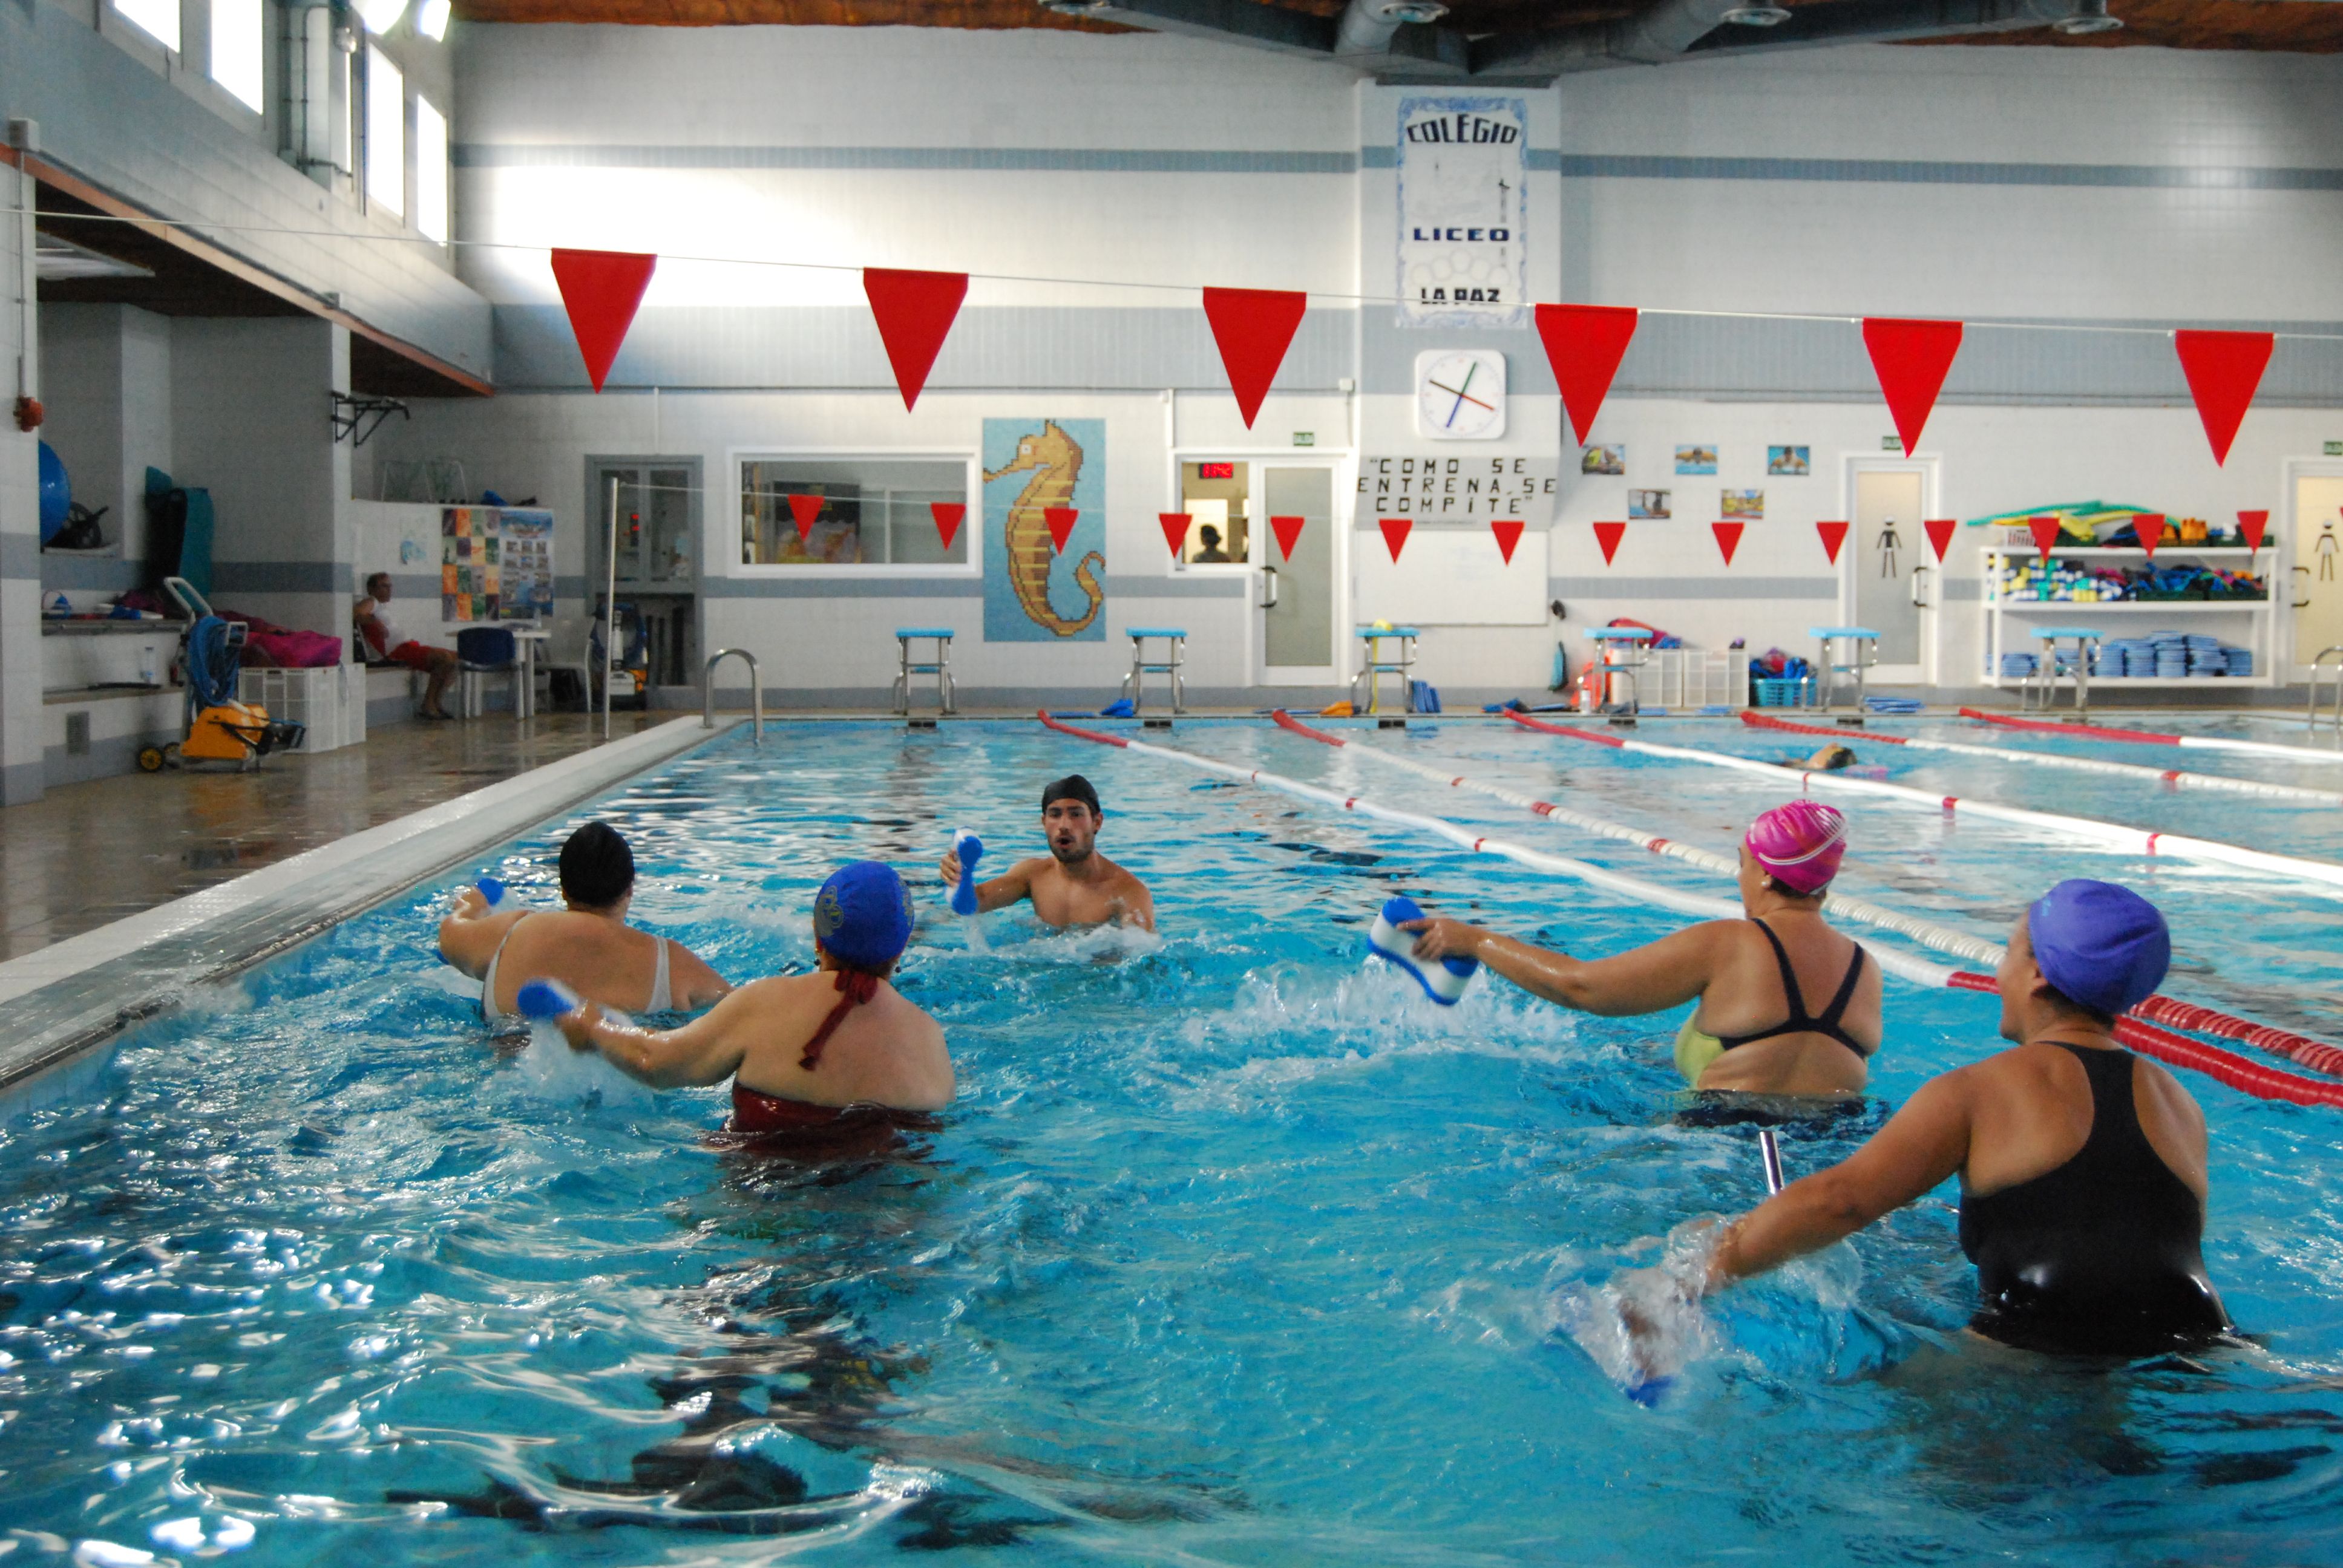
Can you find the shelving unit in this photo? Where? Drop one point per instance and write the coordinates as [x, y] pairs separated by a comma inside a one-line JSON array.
[[2248, 623]]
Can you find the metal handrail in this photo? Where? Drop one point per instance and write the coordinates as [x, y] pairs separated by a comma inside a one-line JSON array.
[[2310, 714], [756, 689]]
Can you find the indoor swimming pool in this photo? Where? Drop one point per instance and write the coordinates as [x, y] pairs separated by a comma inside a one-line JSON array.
[[1234, 1250]]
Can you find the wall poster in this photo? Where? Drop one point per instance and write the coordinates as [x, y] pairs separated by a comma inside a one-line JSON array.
[[1462, 219], [1035, 590], [1440, 487], [496, 563]]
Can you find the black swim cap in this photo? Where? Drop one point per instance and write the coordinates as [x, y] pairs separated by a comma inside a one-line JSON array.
[[596, 867], [1072, 787]]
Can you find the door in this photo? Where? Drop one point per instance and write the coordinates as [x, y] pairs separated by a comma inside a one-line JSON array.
[[1887, 571], [2317, 571], [1296, 588], [658, 542]]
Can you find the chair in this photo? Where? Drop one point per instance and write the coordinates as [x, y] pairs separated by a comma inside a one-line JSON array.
[[1175, 640], [483, 651], [940, 667]]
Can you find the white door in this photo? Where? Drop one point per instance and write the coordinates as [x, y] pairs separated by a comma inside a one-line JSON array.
[[1889, 577], [1295, 590], [2317, 573]]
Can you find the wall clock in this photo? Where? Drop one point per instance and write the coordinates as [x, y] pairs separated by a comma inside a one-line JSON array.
[[1460, 394]]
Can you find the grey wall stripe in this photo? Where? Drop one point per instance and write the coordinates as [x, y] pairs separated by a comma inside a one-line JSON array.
[[1913, 171], [1603, 587], [843, 588], [280, 577], [20, 555], [1017, 160], [1536, 160], [86, 573]]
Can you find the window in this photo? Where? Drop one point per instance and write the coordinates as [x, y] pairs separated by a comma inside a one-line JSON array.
[[862, 511], [157, 18], [1220, 529], [239, 44], [430, 170], [386, 133]]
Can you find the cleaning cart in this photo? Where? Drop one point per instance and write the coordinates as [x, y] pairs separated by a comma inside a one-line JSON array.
[[219, 728]]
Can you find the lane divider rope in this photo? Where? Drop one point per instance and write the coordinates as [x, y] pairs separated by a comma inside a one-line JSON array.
[[2226, 1067], [2172, 776], [2315, 1055], [2324, 874], [2154, 737]]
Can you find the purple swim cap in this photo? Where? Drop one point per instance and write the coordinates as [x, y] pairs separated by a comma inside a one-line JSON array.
[[2102, 945], [1799, 845]]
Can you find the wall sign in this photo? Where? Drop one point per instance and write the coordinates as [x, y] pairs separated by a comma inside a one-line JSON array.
[[1460, 394], [1462, 213], [1444, 488]]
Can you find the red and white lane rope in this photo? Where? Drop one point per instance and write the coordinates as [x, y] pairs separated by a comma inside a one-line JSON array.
[[2315, 1055], [2115, 836], [2172, 776], [2154, 737], [2249, 1076]]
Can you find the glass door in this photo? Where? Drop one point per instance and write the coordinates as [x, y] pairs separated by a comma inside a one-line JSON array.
[[657, 538], [1295, 545], [1889, 577]]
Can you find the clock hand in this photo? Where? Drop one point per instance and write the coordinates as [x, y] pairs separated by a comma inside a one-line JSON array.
[[1443, 386]]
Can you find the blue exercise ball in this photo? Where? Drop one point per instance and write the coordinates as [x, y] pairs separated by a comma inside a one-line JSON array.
[[56, 493]]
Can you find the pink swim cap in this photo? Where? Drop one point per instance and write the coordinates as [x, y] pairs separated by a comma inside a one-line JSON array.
[[1799, 845]]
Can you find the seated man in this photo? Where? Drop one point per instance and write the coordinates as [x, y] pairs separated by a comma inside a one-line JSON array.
[[1076, 885], [588, 947], [804, 1052], [386, 643]]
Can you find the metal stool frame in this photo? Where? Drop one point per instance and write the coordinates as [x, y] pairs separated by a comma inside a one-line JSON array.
[[940, 668]]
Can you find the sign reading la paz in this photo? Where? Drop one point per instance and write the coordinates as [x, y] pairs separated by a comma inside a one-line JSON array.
[[1460, 211]]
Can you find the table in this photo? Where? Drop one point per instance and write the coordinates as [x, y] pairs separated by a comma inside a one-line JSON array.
[[1373, 665], [1623, 650], [526, 641], [1863, 652], [1175, 640]]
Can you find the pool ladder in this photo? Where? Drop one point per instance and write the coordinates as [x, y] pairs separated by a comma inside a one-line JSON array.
[[756, 689], [2318, 668]]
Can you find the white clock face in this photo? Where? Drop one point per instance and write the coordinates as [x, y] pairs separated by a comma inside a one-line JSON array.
[[1460, 394]]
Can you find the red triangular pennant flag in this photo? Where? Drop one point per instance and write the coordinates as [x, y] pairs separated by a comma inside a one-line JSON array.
[[1175, 530], [2149, 527], [1509, 534], [2223, 369], [1833, 537], [1940, 535], [1289, 534], [2251, 524], [600, 289], [1061, 526], [1728, 538], [1253, 328], [949, 514], [1608, 536], [1396, 533], [914, 311], [804, 508], [1584, 344], [2046, 535], [1911, 358]]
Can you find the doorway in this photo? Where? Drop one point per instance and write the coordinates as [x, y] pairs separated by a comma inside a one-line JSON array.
[[1886, 576], [2317, 557], [1242, 513], [657, 539]]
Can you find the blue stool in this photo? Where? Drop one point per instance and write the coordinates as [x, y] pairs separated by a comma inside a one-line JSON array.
[[1625, 650], [1862, 653], [1134, 685], [1374, 664], [940, 668], [2087, 646]]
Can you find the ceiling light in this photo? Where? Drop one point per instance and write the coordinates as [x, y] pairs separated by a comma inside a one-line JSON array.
[[431, 19], [1421, 13], [1760, 16], [381, 15], [2089, 17]]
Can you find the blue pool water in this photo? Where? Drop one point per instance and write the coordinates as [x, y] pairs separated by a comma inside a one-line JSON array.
[[1231, 1252]]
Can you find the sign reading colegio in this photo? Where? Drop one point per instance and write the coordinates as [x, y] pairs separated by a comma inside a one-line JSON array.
[[1461, 211]]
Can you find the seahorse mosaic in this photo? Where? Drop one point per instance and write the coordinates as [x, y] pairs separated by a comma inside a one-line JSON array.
[[1055, 460]]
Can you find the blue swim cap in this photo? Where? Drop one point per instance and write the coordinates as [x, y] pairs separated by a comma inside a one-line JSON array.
[[863, 915], [2103, 946]]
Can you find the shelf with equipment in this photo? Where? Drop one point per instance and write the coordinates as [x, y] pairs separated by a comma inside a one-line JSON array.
[[2251, 623]]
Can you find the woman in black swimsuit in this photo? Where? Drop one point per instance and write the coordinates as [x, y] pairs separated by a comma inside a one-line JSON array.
[[2083, 1168]]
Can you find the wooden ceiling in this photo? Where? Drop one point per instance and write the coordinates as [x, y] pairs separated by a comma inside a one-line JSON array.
[[2313, 26]]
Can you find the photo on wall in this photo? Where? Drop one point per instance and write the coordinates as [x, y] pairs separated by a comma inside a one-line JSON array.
[[1036, 589], [1747, 505], [1696, 459], [1608, 460], [1642, 504], [1788, 462]]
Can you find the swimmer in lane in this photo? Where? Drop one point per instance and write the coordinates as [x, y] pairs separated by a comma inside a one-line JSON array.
[[1753, 1032], [2082, 1167], [1074, 885], [804, 1052], [588, 946]]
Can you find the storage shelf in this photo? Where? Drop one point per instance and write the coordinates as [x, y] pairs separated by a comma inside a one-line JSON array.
[[78, 694], [2126, 605], [2129, 551], [2011, 682], [107, 627]]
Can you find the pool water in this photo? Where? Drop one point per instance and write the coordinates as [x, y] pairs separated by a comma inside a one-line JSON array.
[[1232, 1251]]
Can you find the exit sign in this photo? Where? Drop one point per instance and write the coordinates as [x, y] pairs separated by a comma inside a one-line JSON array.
[[2335, 449], [1891, 443], [1310, 437]]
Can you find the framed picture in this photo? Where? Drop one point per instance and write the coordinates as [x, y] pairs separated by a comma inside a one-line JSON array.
[[1749, 505], [1788, 461], [1610, 459], [1646, 504], [1696, 459]]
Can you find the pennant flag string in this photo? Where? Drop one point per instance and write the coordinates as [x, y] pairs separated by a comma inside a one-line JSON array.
[[2224, 369], [1289, 534], [1728, 538], [1509, 534], [1061, 526], [915, 312], [1833, 535], [1911, 358], [1584, 344], [1396, 531], [1608, 536], [2148, 529], [601, 290], [1175, 530], [804, 508], [949, 516], [1253, 328], [1940, 535]]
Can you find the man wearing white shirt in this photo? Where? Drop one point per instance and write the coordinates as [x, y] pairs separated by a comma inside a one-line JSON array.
[[385, 641]]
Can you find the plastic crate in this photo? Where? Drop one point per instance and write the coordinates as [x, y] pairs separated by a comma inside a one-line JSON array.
[[1776, 693], [329, 702]]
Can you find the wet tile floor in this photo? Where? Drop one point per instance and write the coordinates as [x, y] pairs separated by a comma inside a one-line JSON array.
[[87, 854]]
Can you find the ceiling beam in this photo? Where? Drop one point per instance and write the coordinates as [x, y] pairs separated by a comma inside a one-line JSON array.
[[1363, 37], [1677, 30]]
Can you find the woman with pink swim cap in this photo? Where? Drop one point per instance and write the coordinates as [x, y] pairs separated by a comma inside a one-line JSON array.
[[1753, 1032]]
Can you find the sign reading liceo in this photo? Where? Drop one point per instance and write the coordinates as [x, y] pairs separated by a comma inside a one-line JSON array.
[[1461, 211]]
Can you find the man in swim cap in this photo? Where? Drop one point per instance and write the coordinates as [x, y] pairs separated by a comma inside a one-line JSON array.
[[2082, 1167], [804, 1052], [1074, 885], [1754, 1031], [586, 945]]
